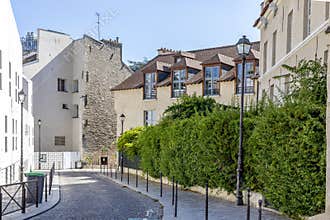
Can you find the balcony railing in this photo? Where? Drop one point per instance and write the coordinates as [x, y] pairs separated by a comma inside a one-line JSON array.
[[248, 89], [152, 95], [209, 92], [178, 93]]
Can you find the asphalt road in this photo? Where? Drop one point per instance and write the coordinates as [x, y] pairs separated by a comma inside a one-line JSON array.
[[89, 196]]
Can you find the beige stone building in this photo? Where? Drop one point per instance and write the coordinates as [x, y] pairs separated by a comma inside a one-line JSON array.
[[292, 30], [213, 72]]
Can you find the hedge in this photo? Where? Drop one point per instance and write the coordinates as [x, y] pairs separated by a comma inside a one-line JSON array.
[[284, 145]]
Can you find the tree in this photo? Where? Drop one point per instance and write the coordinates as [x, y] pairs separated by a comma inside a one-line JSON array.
[[137, 65], [127, 142]]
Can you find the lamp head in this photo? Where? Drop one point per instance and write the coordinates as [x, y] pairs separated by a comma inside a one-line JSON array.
[[243, 46]]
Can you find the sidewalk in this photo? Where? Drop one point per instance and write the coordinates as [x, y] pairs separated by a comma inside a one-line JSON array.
[[191, 205], [52, 200]]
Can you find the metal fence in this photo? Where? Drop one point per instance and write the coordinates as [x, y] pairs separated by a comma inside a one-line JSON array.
[[19, 196]]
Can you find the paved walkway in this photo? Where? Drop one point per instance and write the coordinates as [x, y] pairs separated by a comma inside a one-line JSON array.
[[191, 206], [86, 195]]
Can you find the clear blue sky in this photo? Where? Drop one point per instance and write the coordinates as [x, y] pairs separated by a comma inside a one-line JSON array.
[[145, 25]]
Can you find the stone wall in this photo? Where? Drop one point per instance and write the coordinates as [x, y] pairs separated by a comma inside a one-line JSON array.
[[105, 70]]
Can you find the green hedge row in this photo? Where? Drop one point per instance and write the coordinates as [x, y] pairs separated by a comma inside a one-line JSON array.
[[284, 145]]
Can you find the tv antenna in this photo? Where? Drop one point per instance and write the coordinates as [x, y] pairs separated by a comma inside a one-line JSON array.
[[98, 25]]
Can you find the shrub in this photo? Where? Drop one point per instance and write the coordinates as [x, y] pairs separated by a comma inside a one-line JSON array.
[[127, 143]]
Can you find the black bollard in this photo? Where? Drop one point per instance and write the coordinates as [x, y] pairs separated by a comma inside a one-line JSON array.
[[115, 173], [147, 186], [111, 171], [173, 190], [161, 185], [248, 204], [259, 210], [207, 200], [128, 175], [176, 200], [136, 178]]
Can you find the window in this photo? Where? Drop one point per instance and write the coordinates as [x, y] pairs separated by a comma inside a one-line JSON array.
[[149, 86], [61, 85], [149, 118], [0, 81], [326, 58], [289, 33], [6, 144], [9, 88], [75, 86], [6, 124], [179, 87], [249, 72], [327, 13], [13, 126], [9, 70], [212, 75], [307, 17], [65, 106], [13, 143], [87, 77], [43, 158], [82, 74], [0, 59], [274, 48], [16, 143], [59, 140], [16, 96], [265, 57], [15, 78], [75, 111]]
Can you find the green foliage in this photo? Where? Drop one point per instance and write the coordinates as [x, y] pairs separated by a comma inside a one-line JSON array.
[[284, 145], [190, 105], [137, 65], [127, 143]]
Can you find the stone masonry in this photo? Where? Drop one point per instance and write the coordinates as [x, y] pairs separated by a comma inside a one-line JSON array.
[[103, 69]]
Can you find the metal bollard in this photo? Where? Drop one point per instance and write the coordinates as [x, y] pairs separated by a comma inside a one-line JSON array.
[[128, 175], [136, 178], [37, 193], [248, 204], [176, 200], [207, 200], [161, 185], [172, 190], [23, 198], [147, 186], [115, 173], [45, 178], [260, 210]]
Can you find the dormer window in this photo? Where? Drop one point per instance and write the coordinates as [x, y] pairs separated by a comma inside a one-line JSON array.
[[249, 72], [178, 59], [150, 86], [212, 75], [179, 79]]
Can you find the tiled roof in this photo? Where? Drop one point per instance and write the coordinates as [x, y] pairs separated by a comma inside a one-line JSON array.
[[228, 76], [196, 79], [220, 58], [263, 11], [226, 54]]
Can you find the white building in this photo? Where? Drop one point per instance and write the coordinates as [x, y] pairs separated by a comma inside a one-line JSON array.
[[72, 98], [11, 82]]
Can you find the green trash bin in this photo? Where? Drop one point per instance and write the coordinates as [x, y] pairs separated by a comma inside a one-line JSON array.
[[39, 176]]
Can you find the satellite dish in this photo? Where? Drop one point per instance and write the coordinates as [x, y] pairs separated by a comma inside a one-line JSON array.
[[264, 21], [273, 7]]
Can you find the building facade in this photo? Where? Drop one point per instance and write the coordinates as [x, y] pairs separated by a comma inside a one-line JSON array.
[[72, 95], [12, 81], [213, 72], [292, 31]]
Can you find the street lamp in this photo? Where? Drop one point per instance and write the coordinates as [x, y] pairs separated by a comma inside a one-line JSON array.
[[39, 161], [122, 119], [243, 49], [21, 98]]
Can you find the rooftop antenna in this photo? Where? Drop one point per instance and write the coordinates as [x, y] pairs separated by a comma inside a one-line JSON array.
[[98, 25]]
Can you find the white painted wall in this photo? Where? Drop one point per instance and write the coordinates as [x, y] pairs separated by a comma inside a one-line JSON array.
[[11, 50]]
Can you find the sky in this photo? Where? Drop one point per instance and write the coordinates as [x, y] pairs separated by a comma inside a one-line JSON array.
[[143, 26]]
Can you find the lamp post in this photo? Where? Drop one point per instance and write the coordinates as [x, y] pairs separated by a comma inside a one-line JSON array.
[[243, 49], [122, 119], [39, 156], [21, 98]]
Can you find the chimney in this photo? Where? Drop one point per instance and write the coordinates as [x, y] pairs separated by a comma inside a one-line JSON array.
[[165, 51], [117, 39]]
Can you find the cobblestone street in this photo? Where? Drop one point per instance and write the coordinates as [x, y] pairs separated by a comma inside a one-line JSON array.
[[86, 196]]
